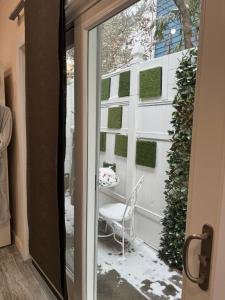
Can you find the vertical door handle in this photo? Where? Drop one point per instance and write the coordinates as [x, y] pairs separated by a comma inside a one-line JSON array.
[[206, 239]]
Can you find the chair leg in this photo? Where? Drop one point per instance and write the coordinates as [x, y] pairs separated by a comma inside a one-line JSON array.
[[132, 229], [106, 227], [123, 241]]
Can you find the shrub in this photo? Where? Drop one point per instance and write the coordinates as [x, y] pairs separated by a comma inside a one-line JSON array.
[[176, 186]]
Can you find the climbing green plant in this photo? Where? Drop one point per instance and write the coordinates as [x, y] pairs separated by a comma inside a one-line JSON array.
[[176, 185]]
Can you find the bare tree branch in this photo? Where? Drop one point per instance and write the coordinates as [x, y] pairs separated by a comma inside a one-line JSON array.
[[183, 6]]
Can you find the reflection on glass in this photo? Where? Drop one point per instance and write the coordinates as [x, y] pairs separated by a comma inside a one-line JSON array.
[[69, 162]]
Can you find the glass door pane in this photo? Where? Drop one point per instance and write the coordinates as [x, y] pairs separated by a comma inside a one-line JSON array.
[[69, 163], [142, 150]]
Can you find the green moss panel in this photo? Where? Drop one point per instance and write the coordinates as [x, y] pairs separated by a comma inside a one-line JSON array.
[[105, 89], [108, 165], [121, 145], [115, 115], [146, 153], [124, 84], [151, 83], [103, 141]]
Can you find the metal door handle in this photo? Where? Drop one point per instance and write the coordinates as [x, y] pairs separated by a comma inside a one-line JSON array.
[[206, 239], [187, 243]]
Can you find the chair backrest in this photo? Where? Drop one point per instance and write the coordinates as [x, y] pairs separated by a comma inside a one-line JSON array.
[[132, 200]]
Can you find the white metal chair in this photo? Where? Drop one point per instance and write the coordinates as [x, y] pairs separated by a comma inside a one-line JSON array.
[[118, 215]]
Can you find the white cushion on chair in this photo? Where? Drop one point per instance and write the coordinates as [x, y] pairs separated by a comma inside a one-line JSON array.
[[115, 211]]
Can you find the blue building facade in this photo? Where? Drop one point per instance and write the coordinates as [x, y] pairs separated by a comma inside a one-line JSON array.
[[170, 41]]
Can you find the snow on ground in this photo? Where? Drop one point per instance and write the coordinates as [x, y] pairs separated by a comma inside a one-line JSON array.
[[69, 215], [69, 219], [141, 268]]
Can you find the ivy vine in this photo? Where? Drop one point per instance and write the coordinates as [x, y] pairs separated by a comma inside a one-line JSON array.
[[176, 185]]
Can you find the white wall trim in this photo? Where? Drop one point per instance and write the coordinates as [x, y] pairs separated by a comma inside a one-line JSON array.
[[20, 246], [146, 212], [117, 72], [150, 102], [115, 102], [113, 194], [114, 131], [149, 213], [22, 241], [147, 102], [157, 136]]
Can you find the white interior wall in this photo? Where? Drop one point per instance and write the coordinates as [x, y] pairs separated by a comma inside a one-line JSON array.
[[12, 57], [5, 233]]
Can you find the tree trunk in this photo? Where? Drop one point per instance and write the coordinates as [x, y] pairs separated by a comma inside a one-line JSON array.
[[186, 22]]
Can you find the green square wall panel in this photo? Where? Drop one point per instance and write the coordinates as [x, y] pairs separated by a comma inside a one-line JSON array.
[[146, 153], [124, 84], [105, 89], [121, 145], [109, 165], [151, 83], [115, 115], [103, 141]]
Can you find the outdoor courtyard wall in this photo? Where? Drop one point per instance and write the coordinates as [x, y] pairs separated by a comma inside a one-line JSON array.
[[145, 119]]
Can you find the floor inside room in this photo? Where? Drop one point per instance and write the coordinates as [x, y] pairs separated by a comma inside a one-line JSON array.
[[19, 280]]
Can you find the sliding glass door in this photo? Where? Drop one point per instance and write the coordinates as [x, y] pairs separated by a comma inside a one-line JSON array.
[[131, 238], [69, 162], [128, 118]]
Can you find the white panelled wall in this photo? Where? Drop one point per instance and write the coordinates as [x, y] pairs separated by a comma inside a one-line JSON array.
[[147, 120]]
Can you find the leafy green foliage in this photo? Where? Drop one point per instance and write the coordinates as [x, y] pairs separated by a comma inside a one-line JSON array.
[[105, 89], [121, 145], [124, 84], [103, 141], [176, 186], [146, 153], [109, 165], [151, 83], [115, 117]]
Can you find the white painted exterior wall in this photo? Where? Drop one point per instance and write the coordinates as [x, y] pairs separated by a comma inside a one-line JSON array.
[[147, 120]]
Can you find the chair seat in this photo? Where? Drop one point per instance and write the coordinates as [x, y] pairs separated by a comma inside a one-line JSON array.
[[115, 211]]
